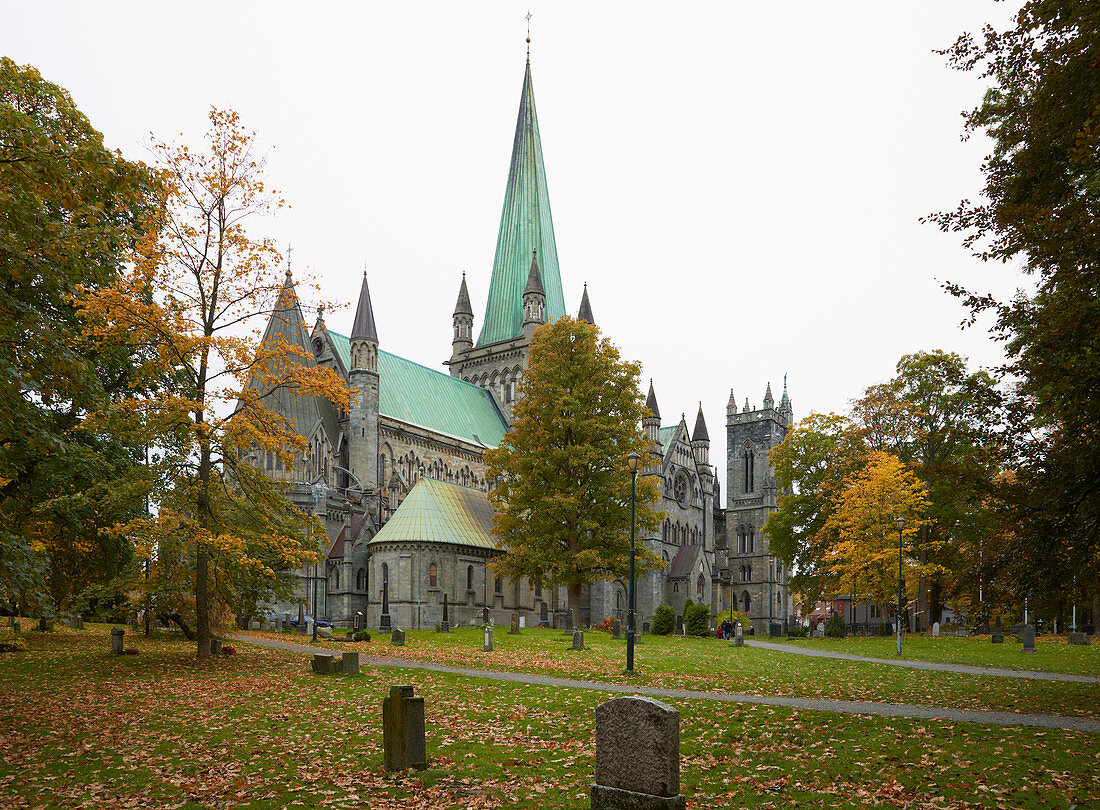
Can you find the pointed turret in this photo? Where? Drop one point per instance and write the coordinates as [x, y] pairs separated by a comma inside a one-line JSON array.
[[700, 440], [363, 374], [462, 323], [363, 327], [585, 312], [525, 225], [651, 422], [700, 433], [731, 405], [534, 299], [769, 401], [785, 407], [746, 408]]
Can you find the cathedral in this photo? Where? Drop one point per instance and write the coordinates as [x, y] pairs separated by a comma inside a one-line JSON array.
[[399, 481]]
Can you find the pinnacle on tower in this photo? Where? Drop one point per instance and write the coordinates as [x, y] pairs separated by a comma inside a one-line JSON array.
[[462, 306], [731, 405], [585, 312], [746, 408], [769, 401], [700, 434], [534, 278], [785, 401], [363, 327], [651, 402]]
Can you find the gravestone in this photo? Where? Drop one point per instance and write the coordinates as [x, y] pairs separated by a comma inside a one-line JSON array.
[[935, 629], [637, 755], [998, 632], [324, 632], [357, 622], [403, 730], [487, 641], [215, 646], [15, 628], [11, 621], [514, 629], [117, 643], [309, 627], [45, 625], [645, 628], [820, 631], [1029, 639], [301, 619], [397, 638], [445, 625], [679, 625], [322, 663], [578, 640], [616, 629], [961, 633], [384, 622], [350, 663], [1079, 639], [738, 636], [439, 627], [570, 620]]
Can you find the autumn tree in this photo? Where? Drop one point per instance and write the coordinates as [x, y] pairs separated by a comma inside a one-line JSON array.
[[197, 284], [1039, 212], [561, 483], [70, 209]]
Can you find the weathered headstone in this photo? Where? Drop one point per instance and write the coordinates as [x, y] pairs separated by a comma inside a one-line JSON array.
[[117, 642], [637, 755], [11, 621], [384, 621], [616, 629], [1079, 639], [578, 640], [16, 628], [738, 636], [350, 663], [820, 631], [679, 625], [322, 663], [309, 627], [1029, 639], [397, 638], [570, 620], [487, 641], [445, 625], [645, 628], [998, 636], [324, 632], [439, 627], [45, 625], [935, 629], [403, 730], [215, 646], [514, 629]]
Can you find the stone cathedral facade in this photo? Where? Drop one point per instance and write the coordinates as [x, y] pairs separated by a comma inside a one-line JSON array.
[[398, 476]]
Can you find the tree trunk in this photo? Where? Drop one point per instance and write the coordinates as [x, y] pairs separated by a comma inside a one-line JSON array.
[[935, 601], [1094, 619], [575, 604], [175, 618], [202, 601]]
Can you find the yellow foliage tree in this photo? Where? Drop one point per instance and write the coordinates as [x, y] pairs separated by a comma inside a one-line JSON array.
[[859, 540], [187, 305]]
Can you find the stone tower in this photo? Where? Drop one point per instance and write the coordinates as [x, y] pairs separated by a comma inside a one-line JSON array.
[[759, 579], [463, 322], [534, 300], [363, 413]]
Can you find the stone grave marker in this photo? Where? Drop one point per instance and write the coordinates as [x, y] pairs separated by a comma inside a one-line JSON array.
[[11, 621], [215, 646], [445, 625], [349, 662], [578, 640], [397, 638], [1029, 639], [324, 632], [1079, 639], [322, 663], [487, 641], [820, 630], [514, 629], [309, 627], [637, 756], [384, 621], [645, 628], [679, 625], [738, 636], [616, 629], [998, 632], [45, 625], [439, 627], [403, 730], [961, 633], [570, 620], [935, 629], [117, 636]]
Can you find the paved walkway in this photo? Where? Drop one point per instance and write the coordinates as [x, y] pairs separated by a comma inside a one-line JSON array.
[[843, 706], [928, 665]]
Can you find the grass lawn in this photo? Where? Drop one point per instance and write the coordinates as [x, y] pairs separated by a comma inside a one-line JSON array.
[[1052, 653], [79, 728], [714, 665]]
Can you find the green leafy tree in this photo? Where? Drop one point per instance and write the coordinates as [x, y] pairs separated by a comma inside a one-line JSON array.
[[561, 483], [664, 620], [1039, 213], [70, 210]]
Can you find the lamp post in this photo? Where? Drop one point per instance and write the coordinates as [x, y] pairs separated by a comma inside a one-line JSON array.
[[901, 527], [631, 462]]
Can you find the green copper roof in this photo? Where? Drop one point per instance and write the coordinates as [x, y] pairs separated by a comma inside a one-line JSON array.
[[667, 434], [438, 512], [418, 395], [525, 224]]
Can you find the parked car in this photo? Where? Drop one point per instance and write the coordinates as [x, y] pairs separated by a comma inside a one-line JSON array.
[[320, 622]]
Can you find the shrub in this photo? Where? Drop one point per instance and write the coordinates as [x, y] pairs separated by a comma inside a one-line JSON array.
[[834, 628], [697, 620], [664, 620], [798, 632], [362, 635], [229, 650], [606, 624]]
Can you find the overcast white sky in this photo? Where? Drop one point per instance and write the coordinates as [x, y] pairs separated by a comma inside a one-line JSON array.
[[739, 183]]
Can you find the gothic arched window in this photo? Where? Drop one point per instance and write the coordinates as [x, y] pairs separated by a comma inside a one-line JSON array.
[[432, 576], [469, 577], [336, 579], [746, 601], [751, 542], [498, 585], [699, 585], [748, 459], [385, 573], [360, 575]]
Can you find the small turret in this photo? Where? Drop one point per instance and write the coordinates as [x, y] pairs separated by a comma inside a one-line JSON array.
[[363, 374], [463, 338], [700, 439], [785, 407], [731, 406], [746, 408], [364, 334], [585, 312], [534, 299], [769, 401], [651, 422]]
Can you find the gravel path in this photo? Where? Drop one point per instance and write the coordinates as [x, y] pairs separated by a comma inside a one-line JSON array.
[[928, 665], [843, 706]]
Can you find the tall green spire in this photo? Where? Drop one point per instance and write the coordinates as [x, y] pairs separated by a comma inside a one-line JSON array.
[[525, 226]]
